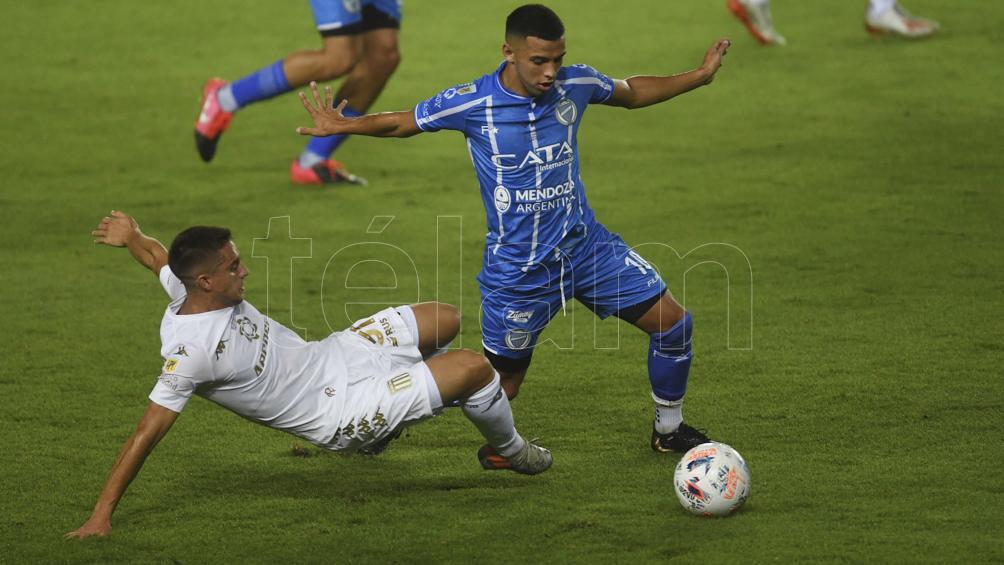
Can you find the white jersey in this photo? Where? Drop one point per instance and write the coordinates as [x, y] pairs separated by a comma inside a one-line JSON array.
[[252, 365]]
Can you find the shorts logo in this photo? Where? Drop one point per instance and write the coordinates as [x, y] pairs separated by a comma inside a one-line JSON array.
[[399, 383], [517, 339], [171, 365], [351, 5], [518, 316], [566, 112], [502, 199]]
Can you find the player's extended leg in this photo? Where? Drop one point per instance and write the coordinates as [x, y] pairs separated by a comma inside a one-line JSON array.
[[220, 99], [468, 378], [380, 56], [887, 16], [670, 327]]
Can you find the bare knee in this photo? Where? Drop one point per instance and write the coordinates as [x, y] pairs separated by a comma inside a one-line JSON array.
[[334, 64], [384, 61], [478, 372], [448, 316]]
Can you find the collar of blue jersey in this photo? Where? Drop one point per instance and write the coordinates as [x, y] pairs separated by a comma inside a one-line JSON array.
[[498, 83]]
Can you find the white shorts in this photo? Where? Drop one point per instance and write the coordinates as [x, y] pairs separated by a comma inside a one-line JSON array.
[[388, 383]]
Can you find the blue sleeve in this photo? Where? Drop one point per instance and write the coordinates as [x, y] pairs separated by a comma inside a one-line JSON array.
[[585, 76], [448, 109]]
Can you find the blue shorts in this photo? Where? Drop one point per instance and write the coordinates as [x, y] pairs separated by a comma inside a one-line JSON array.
[[349, 17], [602, 272]]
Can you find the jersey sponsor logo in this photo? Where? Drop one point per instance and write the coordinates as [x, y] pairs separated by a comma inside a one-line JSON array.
[[546, 157], [520, 317], [170, 381], [259, 366], [548, 193], [566, 112], [502, 199], [399, 383], [171, 365], [518, 339]]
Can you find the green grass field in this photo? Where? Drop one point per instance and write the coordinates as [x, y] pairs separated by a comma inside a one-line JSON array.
[[860, 177]]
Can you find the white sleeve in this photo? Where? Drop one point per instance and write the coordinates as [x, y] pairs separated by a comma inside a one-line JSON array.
[[172, 284], [185, 369]]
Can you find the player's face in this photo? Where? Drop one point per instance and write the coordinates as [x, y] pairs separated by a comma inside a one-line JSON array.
[[229, 275], [533, 64]]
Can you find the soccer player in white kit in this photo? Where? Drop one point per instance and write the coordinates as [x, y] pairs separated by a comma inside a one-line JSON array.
[[351, 391]]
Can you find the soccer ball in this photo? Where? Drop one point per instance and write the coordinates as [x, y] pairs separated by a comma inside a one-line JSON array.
[[712, 479]]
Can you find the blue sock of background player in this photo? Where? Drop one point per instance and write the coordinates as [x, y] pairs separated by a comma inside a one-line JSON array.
[[260, 85], [319, 149]]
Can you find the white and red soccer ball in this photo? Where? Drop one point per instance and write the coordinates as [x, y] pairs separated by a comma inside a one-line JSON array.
[[712, 479]]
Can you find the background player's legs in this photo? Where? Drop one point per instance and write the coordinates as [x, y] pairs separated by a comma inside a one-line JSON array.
[[468, 377], [378, 57], [336, 57], [438, 325]]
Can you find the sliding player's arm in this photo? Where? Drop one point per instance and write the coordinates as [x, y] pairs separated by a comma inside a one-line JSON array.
[[641, 91], [329, 120], [121, 230], [154, 425]]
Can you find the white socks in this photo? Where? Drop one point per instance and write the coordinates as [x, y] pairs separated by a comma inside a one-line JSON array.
[[879, 7], [489, 410], [226, 100], [668, 415]]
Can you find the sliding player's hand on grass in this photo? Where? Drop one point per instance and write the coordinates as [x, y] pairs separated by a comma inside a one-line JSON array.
[[328, 118], [116, 230], [92, 527], [713, 59]]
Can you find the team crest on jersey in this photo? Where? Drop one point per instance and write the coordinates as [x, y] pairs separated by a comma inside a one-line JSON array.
[[248, 328], [566, 112], [502, 199], [517, 339], [170, 365]]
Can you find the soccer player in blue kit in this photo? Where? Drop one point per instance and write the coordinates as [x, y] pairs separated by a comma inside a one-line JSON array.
[[544, 244]]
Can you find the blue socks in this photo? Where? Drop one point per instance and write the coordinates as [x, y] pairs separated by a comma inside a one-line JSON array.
[[260, 85], [669, 360], [320, 148]]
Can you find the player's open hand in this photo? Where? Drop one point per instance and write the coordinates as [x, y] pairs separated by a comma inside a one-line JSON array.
[[328, 118], [116, 230], [90, 528], [713, 58]]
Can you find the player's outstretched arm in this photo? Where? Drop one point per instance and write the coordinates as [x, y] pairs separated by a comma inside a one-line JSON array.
[[121, 230], [154, 425], [641, 91], [329, 120]]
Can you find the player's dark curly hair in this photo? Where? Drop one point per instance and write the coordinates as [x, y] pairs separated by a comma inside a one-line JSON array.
[[195, 248], [534, 20]]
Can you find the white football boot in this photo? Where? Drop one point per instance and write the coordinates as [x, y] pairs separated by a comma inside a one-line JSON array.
[[898, 21], [756, 17]]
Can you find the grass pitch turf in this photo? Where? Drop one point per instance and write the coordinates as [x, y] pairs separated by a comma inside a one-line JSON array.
[[859, 176]]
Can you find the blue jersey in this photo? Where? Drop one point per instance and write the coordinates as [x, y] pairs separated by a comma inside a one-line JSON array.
[[526, 158]]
